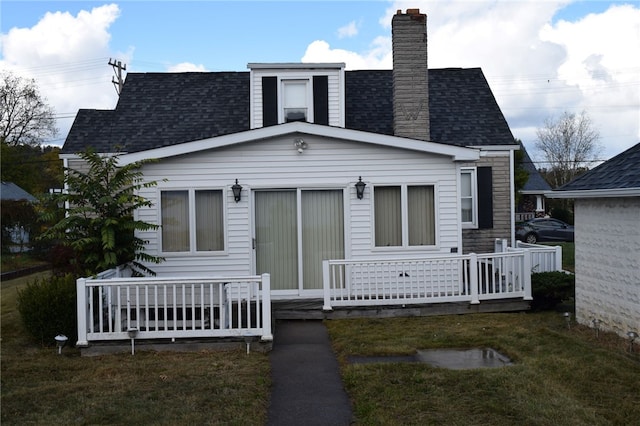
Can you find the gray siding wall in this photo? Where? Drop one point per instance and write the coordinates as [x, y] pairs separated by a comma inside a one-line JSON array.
[[607, 242], [482, 240]]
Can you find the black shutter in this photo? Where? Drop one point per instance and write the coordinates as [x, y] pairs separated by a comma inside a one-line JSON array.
[[485, 198], [269, 101], [320, 99]]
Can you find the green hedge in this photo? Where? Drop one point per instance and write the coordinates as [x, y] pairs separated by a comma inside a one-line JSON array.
[[48, 308], [551, 289]]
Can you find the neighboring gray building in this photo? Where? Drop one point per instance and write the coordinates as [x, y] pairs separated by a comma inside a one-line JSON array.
[[11, 191], [533, 200], [607, 241], [19, 235]]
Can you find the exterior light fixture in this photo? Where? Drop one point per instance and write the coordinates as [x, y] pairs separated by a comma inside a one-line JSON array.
[[360, 188], [132, 332], [237, 191], [596, 325], [632, 335], [61, 340], [567, 317], [300, 145]]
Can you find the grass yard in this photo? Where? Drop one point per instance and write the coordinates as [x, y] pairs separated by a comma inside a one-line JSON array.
[[561, 376], [14, 261], [41, 387]]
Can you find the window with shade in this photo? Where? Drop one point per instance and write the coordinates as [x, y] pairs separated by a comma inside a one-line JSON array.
[[404, 216], [192, 220], [294, 100], [468, 199]]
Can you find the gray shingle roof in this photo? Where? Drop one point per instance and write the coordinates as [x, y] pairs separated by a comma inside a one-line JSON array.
[[161, 109], [536, 182], [11, 191], [619, 172]]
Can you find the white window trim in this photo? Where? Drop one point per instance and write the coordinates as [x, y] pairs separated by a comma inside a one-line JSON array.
[[192, 221], [404, 211], [474, 197], [282, 82]]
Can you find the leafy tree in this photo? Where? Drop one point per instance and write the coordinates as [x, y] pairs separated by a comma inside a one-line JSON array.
[[520, 173], [25, 118], [99, 226], [36, 169], [569, 144]]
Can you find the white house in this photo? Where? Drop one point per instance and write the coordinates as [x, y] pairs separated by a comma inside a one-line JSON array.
[[288, 165], [607, 242]]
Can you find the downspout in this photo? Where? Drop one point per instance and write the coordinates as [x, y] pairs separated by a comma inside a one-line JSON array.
[[513, 196]]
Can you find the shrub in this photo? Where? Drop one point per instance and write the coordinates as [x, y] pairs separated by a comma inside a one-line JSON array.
[[48, 308], [550, 289]]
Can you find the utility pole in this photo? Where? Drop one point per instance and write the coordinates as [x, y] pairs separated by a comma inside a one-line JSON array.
[[117, 69]]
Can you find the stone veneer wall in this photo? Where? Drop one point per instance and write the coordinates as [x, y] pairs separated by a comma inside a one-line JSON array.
[[608, 263], [482, 240]]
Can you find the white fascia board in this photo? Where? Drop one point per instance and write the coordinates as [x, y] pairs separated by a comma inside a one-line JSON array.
[[595, 193], [533, 192], [295, 65], [457, 153], [495, 147]]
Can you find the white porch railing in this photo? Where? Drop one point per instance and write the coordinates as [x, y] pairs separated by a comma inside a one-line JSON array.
[[111, 305], [460, 278], [543, 258]]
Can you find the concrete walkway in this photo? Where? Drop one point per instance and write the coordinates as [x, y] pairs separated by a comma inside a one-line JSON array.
[[306, 384]]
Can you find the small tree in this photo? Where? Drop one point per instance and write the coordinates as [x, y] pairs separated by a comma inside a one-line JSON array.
[[569, 144], [25, 118], [99, 226]]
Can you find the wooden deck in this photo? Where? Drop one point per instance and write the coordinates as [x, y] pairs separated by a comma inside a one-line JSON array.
[[311, 309]]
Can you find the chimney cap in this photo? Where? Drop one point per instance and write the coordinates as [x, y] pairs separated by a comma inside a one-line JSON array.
[[414, 13]]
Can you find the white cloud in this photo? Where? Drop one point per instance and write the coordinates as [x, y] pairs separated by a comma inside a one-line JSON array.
[[186, 67], [349, 30], [67, 56], [535, 67], [378, 56]]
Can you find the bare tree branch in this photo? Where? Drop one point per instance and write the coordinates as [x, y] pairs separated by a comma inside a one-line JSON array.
[[570, 144], [25, 118]]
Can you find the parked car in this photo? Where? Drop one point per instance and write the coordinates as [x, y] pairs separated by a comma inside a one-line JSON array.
[[544, 229]]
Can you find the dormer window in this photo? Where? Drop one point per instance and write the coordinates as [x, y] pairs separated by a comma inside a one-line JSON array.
[[294, 100], [288, 92]]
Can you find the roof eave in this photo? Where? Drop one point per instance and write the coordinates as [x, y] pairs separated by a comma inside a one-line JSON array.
[[455, 152], [594, 193]]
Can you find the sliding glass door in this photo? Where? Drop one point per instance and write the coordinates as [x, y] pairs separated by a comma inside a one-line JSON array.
[[295, 231]]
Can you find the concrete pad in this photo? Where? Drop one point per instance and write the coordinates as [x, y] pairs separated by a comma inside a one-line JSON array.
[[454, 359]]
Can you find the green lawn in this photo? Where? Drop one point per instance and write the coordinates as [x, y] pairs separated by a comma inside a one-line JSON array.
[[561, 376], [207, 387]]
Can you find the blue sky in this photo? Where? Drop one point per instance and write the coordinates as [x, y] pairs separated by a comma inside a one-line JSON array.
[[541, 58]]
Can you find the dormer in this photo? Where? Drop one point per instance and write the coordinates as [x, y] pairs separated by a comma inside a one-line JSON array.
[[285, 92]]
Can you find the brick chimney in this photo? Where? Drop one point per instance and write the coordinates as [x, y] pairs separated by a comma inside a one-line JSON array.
[[410, 75]]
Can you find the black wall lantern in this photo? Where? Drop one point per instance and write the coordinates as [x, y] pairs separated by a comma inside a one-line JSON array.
[[237, 190], [360, 188]]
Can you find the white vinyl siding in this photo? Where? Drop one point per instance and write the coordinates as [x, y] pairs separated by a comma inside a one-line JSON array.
[[276, 164]]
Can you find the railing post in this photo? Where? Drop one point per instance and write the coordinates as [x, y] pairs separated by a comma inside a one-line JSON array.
[[473, 278], [81, 308], [527, 274], [326, 286], [267, 334], [558, 254]]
